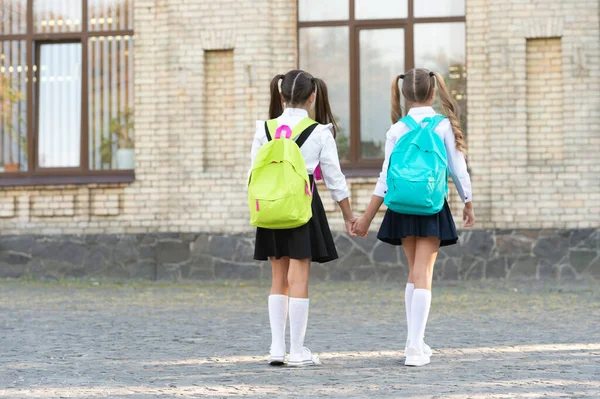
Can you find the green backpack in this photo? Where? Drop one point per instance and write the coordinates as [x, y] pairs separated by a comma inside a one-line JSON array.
[[279, 192]]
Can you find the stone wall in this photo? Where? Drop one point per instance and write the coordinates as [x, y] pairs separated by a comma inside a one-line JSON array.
[[495, 254]]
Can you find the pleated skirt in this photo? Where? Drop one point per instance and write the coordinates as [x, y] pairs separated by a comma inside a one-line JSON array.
[[396, 226], [310, 241]]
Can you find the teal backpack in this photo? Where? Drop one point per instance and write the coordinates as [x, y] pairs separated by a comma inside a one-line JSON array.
[[417, 176]]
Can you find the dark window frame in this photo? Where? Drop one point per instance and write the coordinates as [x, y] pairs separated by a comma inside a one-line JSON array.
[[47, 176], [356, 165]]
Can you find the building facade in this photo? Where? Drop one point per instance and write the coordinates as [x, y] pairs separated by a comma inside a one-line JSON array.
[[126, 129]]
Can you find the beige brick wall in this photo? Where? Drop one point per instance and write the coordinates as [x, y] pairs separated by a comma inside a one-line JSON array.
[[188, 182], [545, 90], [560, 192]]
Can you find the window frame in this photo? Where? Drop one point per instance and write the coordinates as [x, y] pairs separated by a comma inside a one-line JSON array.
[[49, 176], [356, 165]]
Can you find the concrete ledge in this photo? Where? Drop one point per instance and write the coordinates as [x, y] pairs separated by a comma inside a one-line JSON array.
[[498, 254]]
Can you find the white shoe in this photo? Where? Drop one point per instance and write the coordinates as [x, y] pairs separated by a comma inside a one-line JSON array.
[[426, 348], [416, 357], [276, 358], [304, 359]]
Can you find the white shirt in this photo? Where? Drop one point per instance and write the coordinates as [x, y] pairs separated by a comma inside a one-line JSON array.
[[319, 148], [456, 159]]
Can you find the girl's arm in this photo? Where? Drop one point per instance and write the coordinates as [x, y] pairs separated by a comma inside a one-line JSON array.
[[361, 227], [457, 165], [335, 179]]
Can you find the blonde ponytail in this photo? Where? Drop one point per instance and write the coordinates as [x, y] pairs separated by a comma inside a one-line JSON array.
[[396, 105], [451, 111]]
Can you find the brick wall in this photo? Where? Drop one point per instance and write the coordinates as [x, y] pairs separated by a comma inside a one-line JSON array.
[[189, 53], [515, 185]]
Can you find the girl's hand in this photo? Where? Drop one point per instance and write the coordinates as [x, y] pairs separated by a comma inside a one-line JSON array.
[[361, 226], [469, 215], [349, 225]]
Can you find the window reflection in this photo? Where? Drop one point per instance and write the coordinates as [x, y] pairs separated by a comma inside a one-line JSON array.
[[381, 58], [439, 8], [13, 17], [381, 9], [59, 105], [56, 16], [110, 15], [13, 106], [319, 10], [320, 48], [440, 47]]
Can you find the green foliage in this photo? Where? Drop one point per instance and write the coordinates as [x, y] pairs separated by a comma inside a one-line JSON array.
[[120, 132]]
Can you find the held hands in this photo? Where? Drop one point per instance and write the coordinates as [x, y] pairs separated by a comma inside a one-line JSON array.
[[361, 226], [349, 225], [357, 226]]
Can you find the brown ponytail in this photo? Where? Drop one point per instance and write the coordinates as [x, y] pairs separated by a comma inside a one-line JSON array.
[[323, 113], [451, 111], [396, 106], [275, 107]]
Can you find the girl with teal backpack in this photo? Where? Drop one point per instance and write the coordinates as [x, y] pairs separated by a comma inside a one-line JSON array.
[[422, 149], [288, 154]]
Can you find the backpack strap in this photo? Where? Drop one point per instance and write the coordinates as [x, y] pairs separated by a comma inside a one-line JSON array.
[[434, 121], [300, 132], [410, 122], [270, 126], [306, 133]]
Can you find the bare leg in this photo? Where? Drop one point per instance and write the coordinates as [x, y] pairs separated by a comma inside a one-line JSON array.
[[409, 244], [425, 255], [297, 277], [279, 279]]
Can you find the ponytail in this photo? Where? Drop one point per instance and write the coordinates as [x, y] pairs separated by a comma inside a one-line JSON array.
[[396, 106], [275, 107], [323, 113], [451, 111]]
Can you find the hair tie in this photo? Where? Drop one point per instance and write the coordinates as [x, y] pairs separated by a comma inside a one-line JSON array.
[[431, 74], [402, 76]]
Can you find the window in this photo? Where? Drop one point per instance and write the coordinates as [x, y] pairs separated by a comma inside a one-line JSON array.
[[66, 91], [369, 42]]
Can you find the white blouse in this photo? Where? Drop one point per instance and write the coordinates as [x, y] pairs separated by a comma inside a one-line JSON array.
[[456, 159], [319, 148]]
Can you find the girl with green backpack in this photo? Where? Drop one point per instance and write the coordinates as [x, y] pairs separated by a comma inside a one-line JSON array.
[[288, 154], [421, 150]]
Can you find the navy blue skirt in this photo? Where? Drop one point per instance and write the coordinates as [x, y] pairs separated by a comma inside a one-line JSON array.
[[396, 226]]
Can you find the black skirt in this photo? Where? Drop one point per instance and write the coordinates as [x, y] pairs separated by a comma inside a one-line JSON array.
[[396, 226], [313, 240]]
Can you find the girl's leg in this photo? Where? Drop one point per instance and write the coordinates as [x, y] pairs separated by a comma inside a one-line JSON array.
[[298, 280], [409, 245], [278, 308], [425, 255]]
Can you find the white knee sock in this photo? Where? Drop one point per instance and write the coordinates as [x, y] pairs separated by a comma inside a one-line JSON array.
[[298, 323], [278, 310], [408, 295], [419, 312]]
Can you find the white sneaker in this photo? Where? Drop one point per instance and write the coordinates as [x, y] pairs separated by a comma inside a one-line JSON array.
[[416, 357], [303, 359], [276, 358], [426, 348]]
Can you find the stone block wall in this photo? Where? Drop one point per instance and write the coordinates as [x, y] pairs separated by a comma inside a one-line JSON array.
[[480, 255]]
